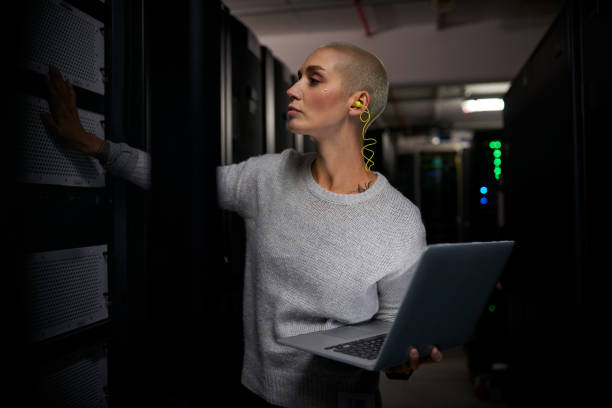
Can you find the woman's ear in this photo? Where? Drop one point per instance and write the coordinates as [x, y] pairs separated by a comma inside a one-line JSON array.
[[360, 100]]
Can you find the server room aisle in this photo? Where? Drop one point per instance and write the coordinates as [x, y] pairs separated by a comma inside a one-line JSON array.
[[446, 384]]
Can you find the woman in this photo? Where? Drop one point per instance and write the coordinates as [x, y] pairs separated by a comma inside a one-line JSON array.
[[329, 242]]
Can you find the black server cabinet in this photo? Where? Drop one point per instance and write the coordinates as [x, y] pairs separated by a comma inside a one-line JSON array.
[[63, 210], [78, 323], [129, 265], [485, 195], [276, 81], [283, 80], [187, 324], [553, 118], [242, 136], [246, 90]]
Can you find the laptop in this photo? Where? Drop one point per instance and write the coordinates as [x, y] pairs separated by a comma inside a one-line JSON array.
[[442, 306]]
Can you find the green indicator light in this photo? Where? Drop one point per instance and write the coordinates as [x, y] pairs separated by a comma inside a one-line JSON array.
[[496, 145], [491, 308]]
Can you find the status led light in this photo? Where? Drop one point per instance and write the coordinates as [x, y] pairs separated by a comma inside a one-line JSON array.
[[483, 200], [495, 145], [483, 190]]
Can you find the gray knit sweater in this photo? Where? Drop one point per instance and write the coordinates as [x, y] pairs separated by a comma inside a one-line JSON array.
[[315, 260]]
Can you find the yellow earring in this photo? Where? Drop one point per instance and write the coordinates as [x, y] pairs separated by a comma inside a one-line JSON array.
[[359, 105]]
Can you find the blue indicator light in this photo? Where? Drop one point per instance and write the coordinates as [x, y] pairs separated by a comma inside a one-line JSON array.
[[483, 200], [483, 190]]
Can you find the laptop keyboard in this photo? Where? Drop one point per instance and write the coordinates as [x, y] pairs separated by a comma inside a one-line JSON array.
[[367, 348]]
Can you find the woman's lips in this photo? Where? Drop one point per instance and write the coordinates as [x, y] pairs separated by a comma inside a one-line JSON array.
[[293, 111]]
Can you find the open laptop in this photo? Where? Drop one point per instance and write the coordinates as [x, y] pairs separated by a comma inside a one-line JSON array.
[[441, 307]]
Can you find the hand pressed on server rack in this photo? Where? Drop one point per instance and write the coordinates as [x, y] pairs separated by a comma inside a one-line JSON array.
[[63, 123]]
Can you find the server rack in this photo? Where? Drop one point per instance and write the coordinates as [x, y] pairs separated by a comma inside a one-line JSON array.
[[246, 90], [552, 118], [277, 79], [283, 80], [65, 204], [130, 242], [242, 136], [187, 324], [78, 318], [253, 122], [486, 205]]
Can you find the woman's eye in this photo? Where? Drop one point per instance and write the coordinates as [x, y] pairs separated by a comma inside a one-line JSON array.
[[313, 80]]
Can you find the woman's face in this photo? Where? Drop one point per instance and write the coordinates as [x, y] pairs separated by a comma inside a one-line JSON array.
[[318, 95]]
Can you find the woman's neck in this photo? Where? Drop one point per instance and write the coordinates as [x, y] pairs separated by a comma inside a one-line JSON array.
[[339, 174]]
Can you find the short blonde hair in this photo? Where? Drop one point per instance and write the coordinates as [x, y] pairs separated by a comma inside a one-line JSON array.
[[365, 71]]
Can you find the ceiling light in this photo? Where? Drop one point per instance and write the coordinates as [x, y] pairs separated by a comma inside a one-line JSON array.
[[482, 105], [489, 88]]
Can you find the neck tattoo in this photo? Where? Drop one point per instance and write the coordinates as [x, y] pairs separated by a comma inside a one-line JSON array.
[[361, 190]]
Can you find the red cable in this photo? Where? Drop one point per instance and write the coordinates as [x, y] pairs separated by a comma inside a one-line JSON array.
[[362, 16]]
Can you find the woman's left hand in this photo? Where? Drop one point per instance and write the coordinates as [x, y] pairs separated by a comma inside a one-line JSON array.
[[408, 367]]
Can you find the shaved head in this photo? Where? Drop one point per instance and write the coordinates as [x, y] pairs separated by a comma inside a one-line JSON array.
[[362, 71]]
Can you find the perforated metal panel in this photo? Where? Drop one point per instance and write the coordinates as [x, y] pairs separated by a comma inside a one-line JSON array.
[[45, 161], [78, 380], [64, 36], [67, 289]]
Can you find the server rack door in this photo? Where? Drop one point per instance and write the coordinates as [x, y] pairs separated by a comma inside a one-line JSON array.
[[547, 127], [282, 82], [65, 208], [187, 279]]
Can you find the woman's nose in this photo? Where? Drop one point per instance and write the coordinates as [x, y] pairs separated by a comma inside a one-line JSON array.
[[291, 92]]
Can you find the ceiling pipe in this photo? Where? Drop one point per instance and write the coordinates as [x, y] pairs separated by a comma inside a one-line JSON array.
[[306, 6], [363, 18]]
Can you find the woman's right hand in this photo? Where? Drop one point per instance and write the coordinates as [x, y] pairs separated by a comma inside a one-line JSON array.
[[63, 123]]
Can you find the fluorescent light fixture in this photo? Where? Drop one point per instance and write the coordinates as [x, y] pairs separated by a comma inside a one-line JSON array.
[[482, 105], [490, 88]]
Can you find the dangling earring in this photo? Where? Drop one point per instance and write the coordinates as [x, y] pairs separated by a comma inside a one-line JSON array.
[[359, 105]]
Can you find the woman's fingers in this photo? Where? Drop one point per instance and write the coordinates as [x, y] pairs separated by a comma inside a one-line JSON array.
[[434, 357], [47, 120], [415, 359], [62, 98], [55, 81], [71, 92], [49, 123]]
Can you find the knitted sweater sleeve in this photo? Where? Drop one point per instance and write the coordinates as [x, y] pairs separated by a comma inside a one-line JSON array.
[[237, 185], [129, 163], [393, 286]]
